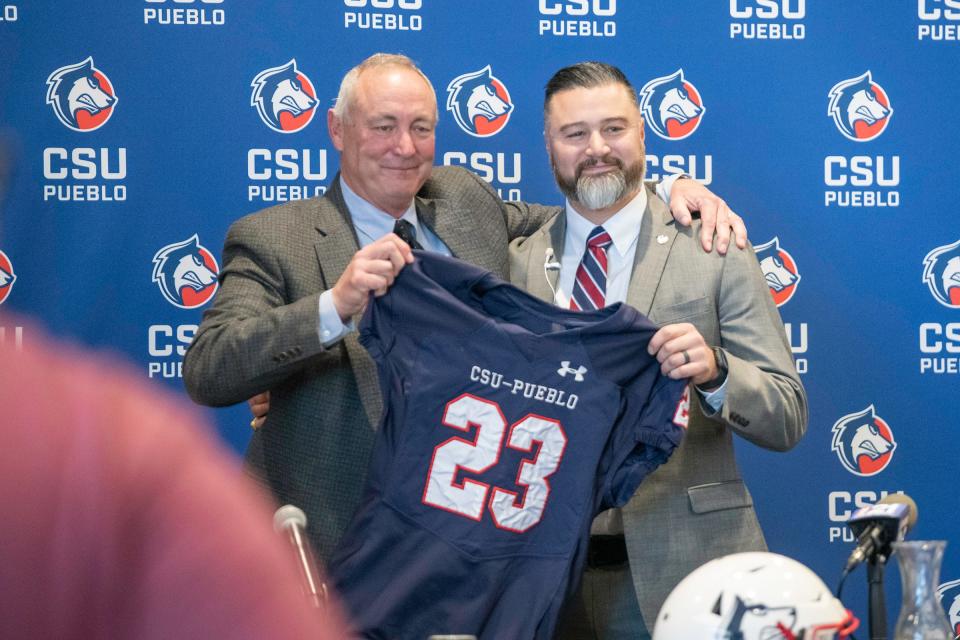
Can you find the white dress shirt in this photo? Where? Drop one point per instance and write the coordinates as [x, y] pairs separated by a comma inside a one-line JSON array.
[[624, 229], [370, 224]]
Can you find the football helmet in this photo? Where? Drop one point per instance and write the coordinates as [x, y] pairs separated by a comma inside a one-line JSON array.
[[753, 596]]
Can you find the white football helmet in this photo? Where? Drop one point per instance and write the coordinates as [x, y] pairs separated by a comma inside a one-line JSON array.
[[753, 596]]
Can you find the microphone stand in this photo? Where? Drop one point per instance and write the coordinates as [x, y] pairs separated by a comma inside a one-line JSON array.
[[290, 521], [316, 591], [877, 607]]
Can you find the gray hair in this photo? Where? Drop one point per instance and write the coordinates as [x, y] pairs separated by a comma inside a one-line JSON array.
[[345, 96]]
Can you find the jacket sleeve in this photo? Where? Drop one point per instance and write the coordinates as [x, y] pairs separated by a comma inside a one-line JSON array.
[[254, 336], [765, 400]]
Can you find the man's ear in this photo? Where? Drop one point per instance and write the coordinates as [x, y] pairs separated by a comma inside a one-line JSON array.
[[335, 129]]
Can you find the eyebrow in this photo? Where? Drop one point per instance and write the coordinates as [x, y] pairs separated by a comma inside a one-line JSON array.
[[605, 121], [392, 119]]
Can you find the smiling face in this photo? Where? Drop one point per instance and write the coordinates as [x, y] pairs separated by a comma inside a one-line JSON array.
[[386, 137], [595, 142]]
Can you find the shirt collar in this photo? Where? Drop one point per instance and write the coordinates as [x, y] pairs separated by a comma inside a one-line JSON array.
[[370, 221], [623, 226]]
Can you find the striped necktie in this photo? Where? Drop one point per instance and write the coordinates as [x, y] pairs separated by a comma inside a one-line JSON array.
[[590, 286]]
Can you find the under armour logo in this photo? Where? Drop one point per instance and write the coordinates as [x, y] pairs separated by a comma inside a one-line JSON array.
[[565, 368]]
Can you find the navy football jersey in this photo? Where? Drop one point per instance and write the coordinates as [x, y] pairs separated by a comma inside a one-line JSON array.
[[508, 424]]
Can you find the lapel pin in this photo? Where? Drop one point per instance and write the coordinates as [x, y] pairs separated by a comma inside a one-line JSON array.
[[662, 239]]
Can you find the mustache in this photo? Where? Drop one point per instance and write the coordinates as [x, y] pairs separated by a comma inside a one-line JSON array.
[[592, 162]]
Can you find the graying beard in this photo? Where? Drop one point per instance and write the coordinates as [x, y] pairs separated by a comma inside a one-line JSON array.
[[600, 192]]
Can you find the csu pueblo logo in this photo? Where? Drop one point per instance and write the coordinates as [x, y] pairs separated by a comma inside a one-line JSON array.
[[949, 594], [7, 277], [863, 442], [671, 106], [81, 96], [479, 102], [860, 108], [941, 272], [284, 97], [186, 273], [779, 270]]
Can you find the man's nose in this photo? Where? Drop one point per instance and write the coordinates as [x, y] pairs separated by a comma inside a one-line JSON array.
[[596, 145], [404, 144]]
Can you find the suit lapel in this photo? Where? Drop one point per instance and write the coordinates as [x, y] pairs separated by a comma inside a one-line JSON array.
[[337, 240], [538, 280], [657, 232], [335, 247]]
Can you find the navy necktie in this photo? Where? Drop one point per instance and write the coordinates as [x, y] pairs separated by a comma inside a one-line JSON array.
[[407, 233]]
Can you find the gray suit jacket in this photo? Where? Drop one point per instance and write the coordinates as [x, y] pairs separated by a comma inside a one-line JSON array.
[[261, 334], [696, 506]]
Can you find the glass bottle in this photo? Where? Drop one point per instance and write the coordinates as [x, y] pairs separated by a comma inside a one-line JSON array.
[[921, 616]]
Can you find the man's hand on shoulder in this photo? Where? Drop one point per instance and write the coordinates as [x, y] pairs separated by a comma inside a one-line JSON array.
[[371, 270], [688, 195]]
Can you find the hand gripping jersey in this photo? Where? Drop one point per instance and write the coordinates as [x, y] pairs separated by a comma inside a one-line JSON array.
[[508, 424]]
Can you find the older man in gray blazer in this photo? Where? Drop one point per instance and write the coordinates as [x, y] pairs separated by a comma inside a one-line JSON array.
[[719, 328], [295, 277]]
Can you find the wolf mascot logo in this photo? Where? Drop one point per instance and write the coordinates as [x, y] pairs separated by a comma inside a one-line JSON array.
[[860, 108], [949, 594], [753, 619], [779, 270], [7, 277], [480, 103], [941, 272], [863, 442], [81, 96], [186, 273], [671, 106], [284, 98]]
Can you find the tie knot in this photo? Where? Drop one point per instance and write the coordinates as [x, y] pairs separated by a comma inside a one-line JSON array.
[[407, 233], [599, 238]]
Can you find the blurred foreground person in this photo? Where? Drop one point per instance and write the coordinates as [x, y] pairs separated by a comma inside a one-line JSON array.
[[123, 519]]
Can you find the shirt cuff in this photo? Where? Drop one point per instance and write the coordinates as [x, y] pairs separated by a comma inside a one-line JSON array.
[[715, 398], [666, 184], [330, 328]]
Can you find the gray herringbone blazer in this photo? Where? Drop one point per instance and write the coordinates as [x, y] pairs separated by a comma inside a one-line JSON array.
[[696, 506], [261, 334]]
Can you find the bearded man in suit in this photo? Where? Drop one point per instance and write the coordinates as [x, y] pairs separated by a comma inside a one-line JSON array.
[[295, 278], [719, 328]]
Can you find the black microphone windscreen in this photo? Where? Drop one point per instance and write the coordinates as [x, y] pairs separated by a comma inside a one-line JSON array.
[[902, 498]]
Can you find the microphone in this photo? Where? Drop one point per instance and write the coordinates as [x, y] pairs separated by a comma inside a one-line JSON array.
[[877, 526], [549, 262], [293, 521]]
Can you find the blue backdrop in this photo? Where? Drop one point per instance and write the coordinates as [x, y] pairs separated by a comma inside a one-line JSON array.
[[134, 128]]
